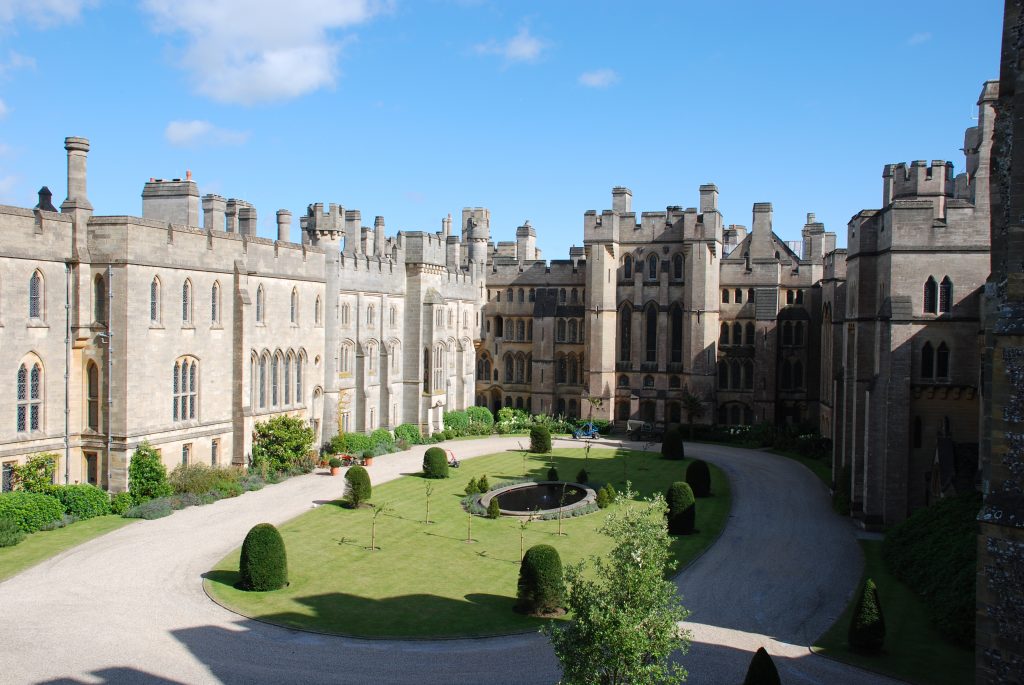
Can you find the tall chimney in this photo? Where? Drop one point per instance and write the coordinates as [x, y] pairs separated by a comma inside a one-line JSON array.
[[78, 149], [214, 207], [284, 225], [378, 231]]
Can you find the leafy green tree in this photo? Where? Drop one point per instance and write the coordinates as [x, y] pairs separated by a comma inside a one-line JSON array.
[[147, 475], [626, 612], [493, 509], [483, 485], [280, 442], [36, 474]]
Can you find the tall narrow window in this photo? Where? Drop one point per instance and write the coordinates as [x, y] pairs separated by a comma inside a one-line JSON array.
[[263, 381], [560, 330], [942, 361], [299, 364], [677, 267], [215, 302], [99, 301], [521, 330], [625, 333], [798, 333], [737, 333], [748, 335], [30, 397], [316, 311], [275, 374], [345, 314], [35, 296], [930, 296], [573, 326], [798, 374], [186, 302], [651, 334], [787, 333], [260, 304], [627, 268], [509, 368], [738, 296], [927, 361], [521, 295], [748, 375], [652, 268], [676, 326], [288, 379], [532, 295], [154, 301], [394, 317], [185, 389], [725, 296], [92, 394], [945, 295], [735, 374], [371, 313], [561, 296], [294, 309], [723, 334], [723, 375]]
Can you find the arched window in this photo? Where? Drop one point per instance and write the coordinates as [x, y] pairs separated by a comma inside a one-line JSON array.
[[648, 381], [288, 378], [676, 334], [789, 293], [529, 368], [945, 295], [371, 315], [735, 374], [499, 327], [574, 296], [573, 330], [561, 407], [509, 368], [799, 296], [942, 361], [293, 309], [723, 335], [185, 389], [154, 301], [674, 382], [316, 312], [529, 329], [532, 296], [574, 370], [30, 396], [215, 302], [92, 396], [371, 353], [346, 314], [508, 295], [748, 375], [787, 333], [394, 317], [99, 299], [520, 369], [738, 296], [725, 296], [186, 302], [300, 365], [927, 361], [651, 334], [521, 295], [560, 330], [652, 268], [750, 294], [264, 362], [561, 296], [930, 296], [521, 330], [623, 382], [260, 304], [677, 267], [627, 268], [723, 375], [561, 369], [737, 333], [35, 296], [748, 335], [621, 411], [625, 332]]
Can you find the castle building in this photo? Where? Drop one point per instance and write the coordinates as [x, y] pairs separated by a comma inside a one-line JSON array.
[[115, 330]]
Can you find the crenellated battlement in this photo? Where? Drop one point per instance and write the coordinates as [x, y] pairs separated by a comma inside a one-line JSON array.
[[919, 179], [620, 225]]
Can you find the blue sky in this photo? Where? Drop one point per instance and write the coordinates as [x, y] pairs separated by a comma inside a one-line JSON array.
[[412, 109]]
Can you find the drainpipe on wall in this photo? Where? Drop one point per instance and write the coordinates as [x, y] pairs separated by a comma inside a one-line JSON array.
[[67, 373], [110, 366]]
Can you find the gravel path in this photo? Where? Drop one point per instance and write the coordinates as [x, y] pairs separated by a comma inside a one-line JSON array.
[[129, 607]]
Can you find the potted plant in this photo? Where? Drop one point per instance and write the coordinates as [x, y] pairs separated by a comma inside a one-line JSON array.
[[335, 465], [367, 458]]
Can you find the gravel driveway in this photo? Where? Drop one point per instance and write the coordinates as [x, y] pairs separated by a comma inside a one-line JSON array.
[[129, 607]]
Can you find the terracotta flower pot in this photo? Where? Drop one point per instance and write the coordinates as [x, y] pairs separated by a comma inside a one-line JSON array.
[[367, 461], [335, 470]]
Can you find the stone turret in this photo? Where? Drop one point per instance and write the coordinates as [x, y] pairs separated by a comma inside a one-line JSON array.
[[284, 225], [476, 231]]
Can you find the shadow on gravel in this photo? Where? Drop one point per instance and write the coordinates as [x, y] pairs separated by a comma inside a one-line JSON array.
[[118, 674]]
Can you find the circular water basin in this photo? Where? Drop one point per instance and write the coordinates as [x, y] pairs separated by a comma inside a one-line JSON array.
[[527, 499]]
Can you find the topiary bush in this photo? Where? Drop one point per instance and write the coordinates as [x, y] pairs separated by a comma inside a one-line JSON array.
[[381, 441], [610, 493], [410, 433], [121, 502], [493, 509], [541, 589], [151, 509], [681, 508], [672, 442], [10, 533], [357, 486], [472, 487], [264, 563], [147, 475], [602, 498], [481, 420], [540, 439], [435, 463], [82, 501], [552, 473], [698, 475], [457, 422], [867, 627], [30, 511], [483, 485], [582, 476], [762, 670], [280, 442]]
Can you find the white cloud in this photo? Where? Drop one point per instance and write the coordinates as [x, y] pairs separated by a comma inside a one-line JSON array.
[[521, 47], [919, 38], [251, 51], [42, 13], [196, 132], [599, 78], [16, 61], [3, 109]]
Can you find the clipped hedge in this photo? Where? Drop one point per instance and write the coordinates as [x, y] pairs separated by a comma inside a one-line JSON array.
[[30, 511], [264, 563], [435, 463], [698, 475], [867, 627], [540, 439], [357, 486], [457, 422], [381, 441], [81, 501], [10, 533], [934, 552], [541, 588], [121, 502], [762, 670], [481, 420], [672, 442], [682, 508], [410, 433]]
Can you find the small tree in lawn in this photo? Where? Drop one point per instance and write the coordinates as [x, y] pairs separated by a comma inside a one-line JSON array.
[[280, 442], [541, 588], [672, 442], [867, 627], [626, 613], [357, 486], [263, 564], [681, 508], [429, 490], [147, 475], [693, 406], [382, 509], [493, 509]]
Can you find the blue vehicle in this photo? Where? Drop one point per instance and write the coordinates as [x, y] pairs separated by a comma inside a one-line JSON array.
[[586, 432]]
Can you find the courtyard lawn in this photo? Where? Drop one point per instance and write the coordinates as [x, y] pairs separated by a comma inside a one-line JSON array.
[[40, 546], [426, 580], [914, 651]]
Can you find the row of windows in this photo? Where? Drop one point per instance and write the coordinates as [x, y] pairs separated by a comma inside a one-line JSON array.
[[938, 297], [565, 296], [30, 397], [736, 296], [346, 362], [648, 382], [734, 334], [649, 322], [188, 303], [935, 361], [277, 380], [673, 267], [735, 375]]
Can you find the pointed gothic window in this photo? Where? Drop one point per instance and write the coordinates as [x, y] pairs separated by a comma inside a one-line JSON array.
[[930, 296]]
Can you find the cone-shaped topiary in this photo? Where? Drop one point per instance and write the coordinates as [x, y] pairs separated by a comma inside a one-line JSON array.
[[582, 476], [493, 510], [698, 475], [482, 485], [540, 439], [681, 508], [357, 486], [552, 473], [435, 463], [264, 565], [672, 442], [472, 487], [602, 498], [762, 670], [541, 588], [867, 628], [610, 494]]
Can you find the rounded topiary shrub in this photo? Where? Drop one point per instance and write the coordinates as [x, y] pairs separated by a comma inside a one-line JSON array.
[[493, 509], [681, 508], [867, 627], [10, 533], [435, 463], [83, 501], [264, 564], [540, 439], [483, 485], [698, 475], [552, 473], [672, 442], [582, 476], [121, 502], [30, 511], [541, 587], [762, 670], [357, 486]]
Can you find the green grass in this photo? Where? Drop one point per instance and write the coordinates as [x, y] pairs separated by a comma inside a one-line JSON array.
[[914, 651], [426, 580], [40, 546]]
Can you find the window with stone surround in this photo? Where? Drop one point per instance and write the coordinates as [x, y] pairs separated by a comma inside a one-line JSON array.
[[35, 296], [215, 303], [185, 394], [29, 389], [154, 301]]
